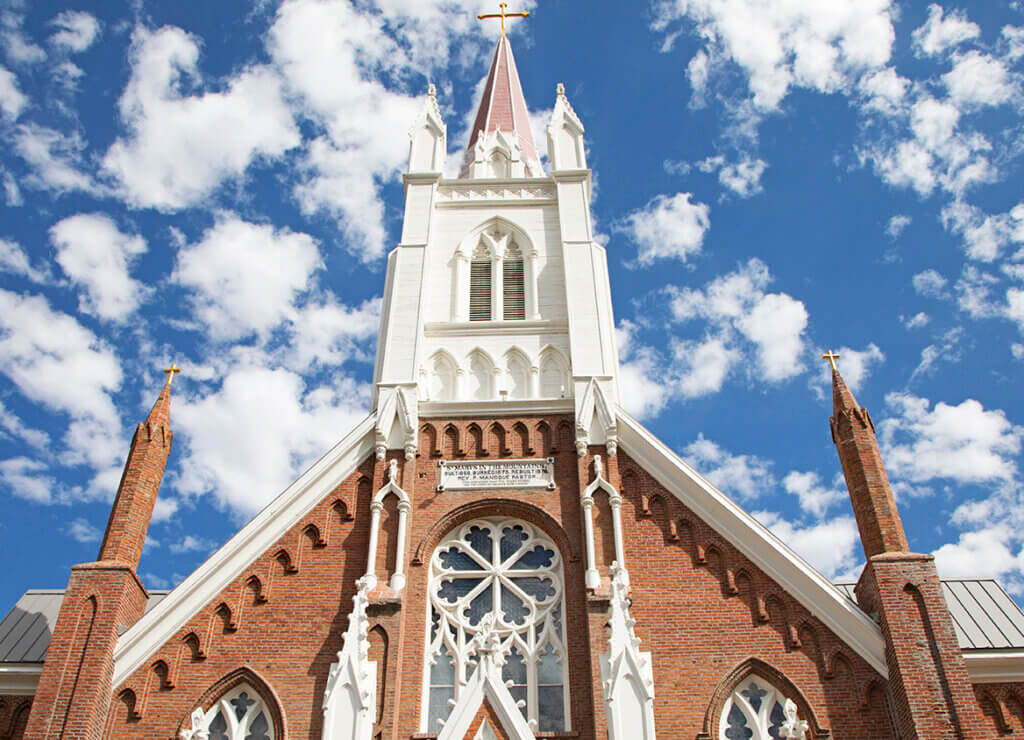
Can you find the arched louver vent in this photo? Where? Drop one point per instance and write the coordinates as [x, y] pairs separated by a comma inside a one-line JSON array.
[[512, 277], [480, 290]]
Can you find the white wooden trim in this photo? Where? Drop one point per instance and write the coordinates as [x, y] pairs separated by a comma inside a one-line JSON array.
[[750, 537], [994, 666], [158, 625], [19, 679]]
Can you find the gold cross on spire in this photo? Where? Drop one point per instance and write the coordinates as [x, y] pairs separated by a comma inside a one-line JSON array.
[[503, 15], [831, 357], [171, 371]]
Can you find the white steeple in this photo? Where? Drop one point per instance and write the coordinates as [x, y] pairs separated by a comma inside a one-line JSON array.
[[497, 298]]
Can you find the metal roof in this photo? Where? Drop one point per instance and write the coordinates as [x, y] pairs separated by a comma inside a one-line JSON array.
[[984, 616], [26, 630]]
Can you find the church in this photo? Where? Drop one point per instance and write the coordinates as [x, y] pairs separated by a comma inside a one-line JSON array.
[[500, 551]]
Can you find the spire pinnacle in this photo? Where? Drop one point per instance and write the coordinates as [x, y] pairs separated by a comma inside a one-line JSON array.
[[503, 15], [831, 357]]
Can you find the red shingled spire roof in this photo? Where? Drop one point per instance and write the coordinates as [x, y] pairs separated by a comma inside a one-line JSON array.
[[503, 105]]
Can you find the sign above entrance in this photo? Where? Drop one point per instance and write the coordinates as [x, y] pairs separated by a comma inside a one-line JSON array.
[[461, 474]]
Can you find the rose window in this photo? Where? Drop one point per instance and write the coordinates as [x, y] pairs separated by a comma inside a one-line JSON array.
[[511, 570]]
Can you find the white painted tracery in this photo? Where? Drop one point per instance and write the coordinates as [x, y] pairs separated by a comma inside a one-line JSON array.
[[240, 714], [391, 488], [615, 502], [478, 378], [756, 710], [505, 575]]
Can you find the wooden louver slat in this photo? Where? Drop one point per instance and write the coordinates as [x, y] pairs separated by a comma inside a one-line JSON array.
[[515, 302], [480, 290]]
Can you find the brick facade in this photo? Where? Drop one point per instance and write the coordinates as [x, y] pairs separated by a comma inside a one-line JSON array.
[[707, 614]]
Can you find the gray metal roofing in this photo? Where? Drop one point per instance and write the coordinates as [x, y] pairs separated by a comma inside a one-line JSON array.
[[984, 617], [26, 630]]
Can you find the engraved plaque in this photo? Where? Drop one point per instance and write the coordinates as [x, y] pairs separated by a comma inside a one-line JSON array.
[[461, 474]]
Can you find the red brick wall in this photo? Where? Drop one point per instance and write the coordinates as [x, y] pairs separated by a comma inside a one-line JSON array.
[[1003, 707], [701, 608], [14, 716]]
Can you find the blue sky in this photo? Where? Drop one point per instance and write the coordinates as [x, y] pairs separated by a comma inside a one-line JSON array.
[[218, 186]]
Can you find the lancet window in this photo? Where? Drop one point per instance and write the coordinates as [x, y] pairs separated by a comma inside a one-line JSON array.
[[514, 306], [240, 714], [756, 710], [509, 569], [480, 285]]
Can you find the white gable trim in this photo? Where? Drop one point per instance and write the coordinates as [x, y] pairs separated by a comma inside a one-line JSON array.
[[486, 683], [994, 666], [158, 625], [750, 537]]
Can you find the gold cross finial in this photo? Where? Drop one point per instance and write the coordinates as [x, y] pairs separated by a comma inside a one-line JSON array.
[[171, 371], [503, 15], [831, 357]]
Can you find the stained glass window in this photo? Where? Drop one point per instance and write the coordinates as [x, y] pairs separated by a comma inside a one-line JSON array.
[[240, 714], [755, 711], [512, 570]]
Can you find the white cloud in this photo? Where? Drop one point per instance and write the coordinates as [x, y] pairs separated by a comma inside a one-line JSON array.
[[737, 303], [778, 46], [978, 79], [28, 479], [245, 276], [974, 293], [179, 147], [930, 283], [884, 90], [896, 225], [743, 177], [82, 530], [14, 260], [55, 158], [13, 425], [96, 255], [744, 476], [12, 100], [248, 440], [703, 366], [945, 349], [983, 553], [918, 320], [328, 333], [940, 33], [985, 235], [815, 497], [855, 365], [18, 47], [830, 546], [642, 388], [191, 543], [77, 30], [668, 226], [964, 443]]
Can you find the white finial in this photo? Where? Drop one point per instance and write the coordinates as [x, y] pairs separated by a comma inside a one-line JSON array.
[[432, 90], [598, 467], [560, 88], [793, 728], [487, 643], [393, 470]]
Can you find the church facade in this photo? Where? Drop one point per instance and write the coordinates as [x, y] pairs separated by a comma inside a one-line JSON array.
[[498, 550]]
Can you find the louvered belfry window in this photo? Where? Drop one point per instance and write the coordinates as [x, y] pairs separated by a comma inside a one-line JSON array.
[[512, 275], [480, 286]]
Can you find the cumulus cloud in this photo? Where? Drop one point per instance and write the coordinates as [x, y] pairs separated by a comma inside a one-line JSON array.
[[77, 30], [941, 32], [244, 276], [930, 283], [737, 305], [830, 546], [743, 476], [965, 443], [96, 255], [855, 364], [985, 235], [27, 478], [783, 45], [179, 147], [82, 530], [983, 553], [668, 227], [816, 498], [191, 543], [14, 260], [896, 225], [978, 79], [918, 320], [253, 435], [12, 100], [56, 159], [742, 177]]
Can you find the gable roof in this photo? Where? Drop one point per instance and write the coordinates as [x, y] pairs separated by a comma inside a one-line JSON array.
[[204, 584], [815, 592]]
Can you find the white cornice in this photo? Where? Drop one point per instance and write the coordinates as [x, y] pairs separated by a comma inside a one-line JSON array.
[[493, 328], [435, 409], [19, 679], [994, 666], [768, 552], [159, 624]]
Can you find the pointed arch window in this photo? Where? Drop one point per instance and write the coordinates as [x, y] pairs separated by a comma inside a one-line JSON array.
[[480, 285], [240, 714], [509, 569], [514, 305], [756, 710]]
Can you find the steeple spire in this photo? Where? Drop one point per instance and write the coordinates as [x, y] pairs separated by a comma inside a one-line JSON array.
[[853, 432], [140, 482], [502, 122]]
